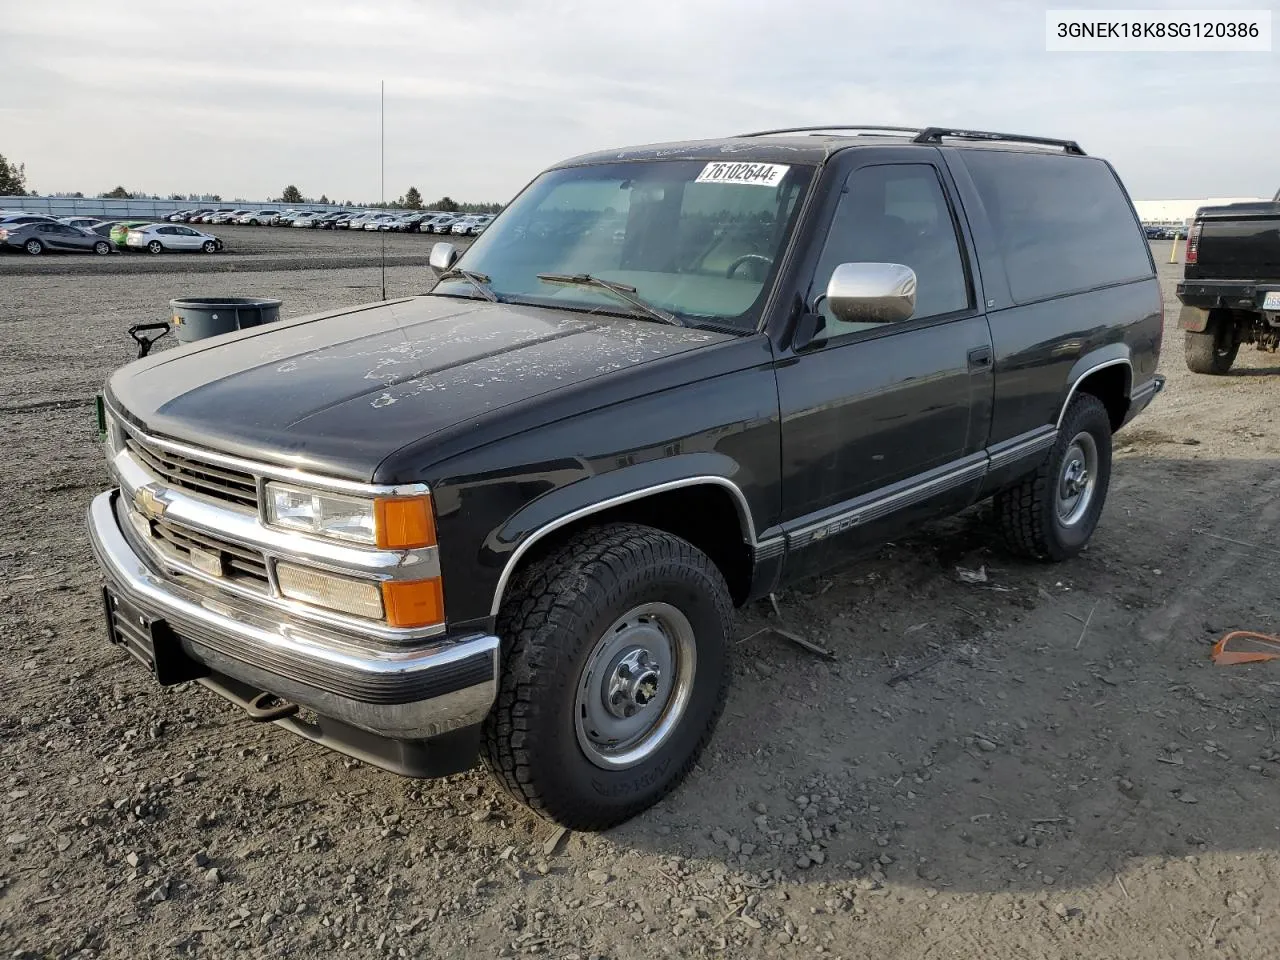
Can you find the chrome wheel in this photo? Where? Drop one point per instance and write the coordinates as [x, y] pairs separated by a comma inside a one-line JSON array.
[[635, 686], [1077, 479]]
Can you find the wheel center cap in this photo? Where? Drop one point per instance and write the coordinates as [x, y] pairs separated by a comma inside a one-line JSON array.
[[1074, 479], [633, 684]]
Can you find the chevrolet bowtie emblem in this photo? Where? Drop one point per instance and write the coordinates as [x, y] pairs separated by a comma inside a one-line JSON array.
[[148, 503]]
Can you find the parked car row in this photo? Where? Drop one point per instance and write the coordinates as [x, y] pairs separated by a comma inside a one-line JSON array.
[[417, 221], [246, 217], [1162, 231], [37, 233]]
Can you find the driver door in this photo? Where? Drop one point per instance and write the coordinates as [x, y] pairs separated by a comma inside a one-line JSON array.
[[884, 424]]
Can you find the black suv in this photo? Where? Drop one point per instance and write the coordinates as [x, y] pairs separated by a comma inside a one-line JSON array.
[[513, 516]]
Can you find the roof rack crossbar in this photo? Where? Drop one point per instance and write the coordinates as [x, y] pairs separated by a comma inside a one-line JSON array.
[[935, 135], [867, 127]]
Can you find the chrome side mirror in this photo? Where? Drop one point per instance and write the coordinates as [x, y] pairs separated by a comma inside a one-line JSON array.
[[443, 256], [872, 292]]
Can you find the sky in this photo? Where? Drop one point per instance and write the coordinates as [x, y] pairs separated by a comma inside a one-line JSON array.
[[241, 98]]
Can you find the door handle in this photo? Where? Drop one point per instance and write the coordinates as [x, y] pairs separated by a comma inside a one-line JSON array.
[[980, 358]]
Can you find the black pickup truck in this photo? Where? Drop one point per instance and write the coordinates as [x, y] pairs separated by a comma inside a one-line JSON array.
[[1230, 290], [512, 517]]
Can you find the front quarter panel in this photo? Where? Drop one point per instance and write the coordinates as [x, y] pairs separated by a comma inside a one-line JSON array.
[[493, 499]]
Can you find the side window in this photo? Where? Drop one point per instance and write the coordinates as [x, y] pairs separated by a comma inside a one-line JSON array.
[[896, 213], [1062, 224]]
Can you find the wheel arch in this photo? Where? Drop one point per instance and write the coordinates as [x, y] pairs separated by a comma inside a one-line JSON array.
[[1107, 375], [709, 510]]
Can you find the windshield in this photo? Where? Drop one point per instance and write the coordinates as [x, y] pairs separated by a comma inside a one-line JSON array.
[[699, 240]]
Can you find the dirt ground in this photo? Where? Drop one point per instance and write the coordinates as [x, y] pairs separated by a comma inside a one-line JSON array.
[[1044, 765]]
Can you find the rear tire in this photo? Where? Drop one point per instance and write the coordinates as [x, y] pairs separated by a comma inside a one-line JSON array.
[[155, 246], [614, 674], [1213, 351], [1051, 513]]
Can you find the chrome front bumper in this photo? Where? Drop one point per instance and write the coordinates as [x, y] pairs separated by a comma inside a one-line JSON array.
[[405, 693]]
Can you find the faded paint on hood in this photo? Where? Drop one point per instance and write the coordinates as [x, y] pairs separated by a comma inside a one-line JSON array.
[[339, 392]]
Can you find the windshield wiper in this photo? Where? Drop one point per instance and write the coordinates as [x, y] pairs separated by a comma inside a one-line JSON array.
[[620, 290], [478, 280]]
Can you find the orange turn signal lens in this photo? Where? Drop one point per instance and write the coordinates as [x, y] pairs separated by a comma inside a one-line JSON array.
[[404, 523], [413, 603]]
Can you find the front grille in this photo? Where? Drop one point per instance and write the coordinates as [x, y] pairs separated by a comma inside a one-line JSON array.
[[219, 483], [242, 565]]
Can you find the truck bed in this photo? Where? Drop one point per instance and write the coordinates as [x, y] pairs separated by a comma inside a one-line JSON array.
[[1239, 241]]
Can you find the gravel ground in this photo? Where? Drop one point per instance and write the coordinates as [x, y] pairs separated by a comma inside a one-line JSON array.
[[247, 249], [1041, 765]]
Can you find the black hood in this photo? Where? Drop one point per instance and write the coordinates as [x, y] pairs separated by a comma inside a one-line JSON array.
[[338, 393]]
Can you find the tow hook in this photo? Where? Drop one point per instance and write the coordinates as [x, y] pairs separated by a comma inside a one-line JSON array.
[[267, 708]]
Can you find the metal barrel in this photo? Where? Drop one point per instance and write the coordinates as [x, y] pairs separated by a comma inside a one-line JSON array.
[[195, 318]]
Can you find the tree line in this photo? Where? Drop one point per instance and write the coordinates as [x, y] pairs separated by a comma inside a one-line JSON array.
[[411, 199]]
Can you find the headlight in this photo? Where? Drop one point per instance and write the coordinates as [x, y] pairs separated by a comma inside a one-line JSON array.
[[392, 523], [321, 514]]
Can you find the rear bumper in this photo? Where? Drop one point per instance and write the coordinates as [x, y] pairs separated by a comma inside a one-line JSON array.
[[407, 693], [1142, 396], [1198, 296]]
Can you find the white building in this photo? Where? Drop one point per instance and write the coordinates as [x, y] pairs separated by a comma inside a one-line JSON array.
[[1181, 211]]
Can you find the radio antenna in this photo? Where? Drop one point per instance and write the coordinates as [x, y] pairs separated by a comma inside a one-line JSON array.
[[382, 138]]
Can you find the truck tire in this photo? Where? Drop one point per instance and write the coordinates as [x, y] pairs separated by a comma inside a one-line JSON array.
[[615, 670], [1051, 513], [1214, 350]]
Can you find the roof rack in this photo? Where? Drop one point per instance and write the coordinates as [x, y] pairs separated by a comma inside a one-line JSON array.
[[935, 135], [869, 128]]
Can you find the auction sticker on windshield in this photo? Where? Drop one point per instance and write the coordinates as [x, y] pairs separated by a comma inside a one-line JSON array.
[[749, 174]]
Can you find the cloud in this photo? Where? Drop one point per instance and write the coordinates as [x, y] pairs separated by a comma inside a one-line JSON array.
[[243, 97]]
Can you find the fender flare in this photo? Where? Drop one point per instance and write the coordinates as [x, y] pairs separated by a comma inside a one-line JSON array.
[[1112, 355], [594, 494]]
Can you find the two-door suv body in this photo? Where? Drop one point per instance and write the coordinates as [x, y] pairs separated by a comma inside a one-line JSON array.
[[512, 517]]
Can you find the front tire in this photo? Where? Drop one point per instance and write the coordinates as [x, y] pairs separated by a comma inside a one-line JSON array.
[[102, 248], [33, 247], [209, 246], [1213, 351], [1051, 513], [155, 246], [614, 674]]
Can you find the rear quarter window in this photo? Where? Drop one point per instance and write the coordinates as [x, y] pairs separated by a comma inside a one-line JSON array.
[[1062, 224]]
